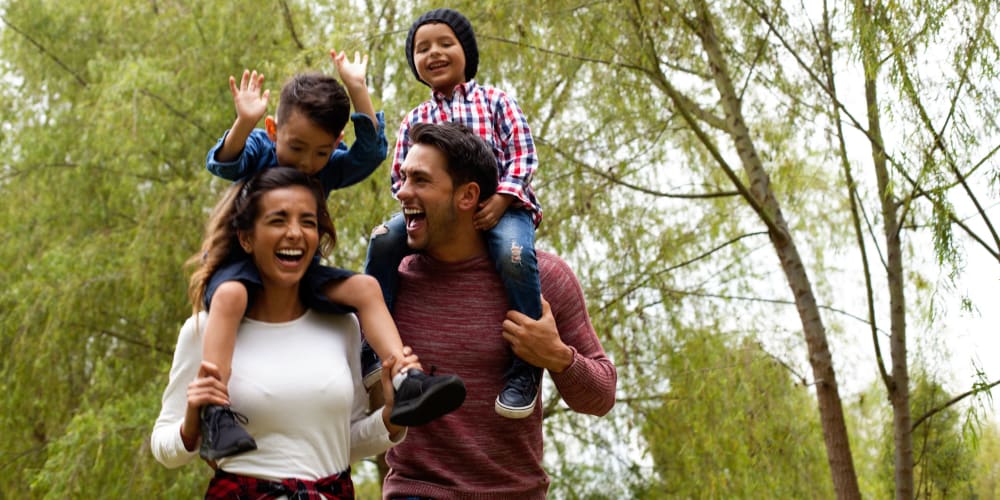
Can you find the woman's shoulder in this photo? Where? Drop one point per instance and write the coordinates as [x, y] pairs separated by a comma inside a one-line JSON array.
[[192, 325]]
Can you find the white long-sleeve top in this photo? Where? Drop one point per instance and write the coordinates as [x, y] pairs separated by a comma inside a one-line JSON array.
[[298, 383]]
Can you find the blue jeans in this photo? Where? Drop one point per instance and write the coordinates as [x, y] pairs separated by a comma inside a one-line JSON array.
[[511, 244], [310, 289]]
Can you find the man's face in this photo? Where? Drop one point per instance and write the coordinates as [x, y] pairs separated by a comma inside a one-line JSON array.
[[439, 57], [427, 197], [300, 143]]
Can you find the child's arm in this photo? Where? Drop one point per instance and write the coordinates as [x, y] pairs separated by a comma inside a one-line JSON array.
[[491, 210], [353, 76], [517, 163], [251, 104], [348, 166]]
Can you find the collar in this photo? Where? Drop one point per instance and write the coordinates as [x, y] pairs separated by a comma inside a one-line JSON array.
[[463, 90]]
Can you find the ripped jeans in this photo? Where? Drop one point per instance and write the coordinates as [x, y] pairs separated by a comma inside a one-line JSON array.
[[511, 244]]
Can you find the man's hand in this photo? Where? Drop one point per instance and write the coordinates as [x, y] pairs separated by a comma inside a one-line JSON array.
[[250, 100], [491, 210], [537, 342]]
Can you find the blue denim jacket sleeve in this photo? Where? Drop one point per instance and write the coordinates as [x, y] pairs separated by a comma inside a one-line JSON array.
[[258, 153], [351, 166]]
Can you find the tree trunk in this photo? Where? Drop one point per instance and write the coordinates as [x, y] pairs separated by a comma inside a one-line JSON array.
[[898, 387], [827, 394]]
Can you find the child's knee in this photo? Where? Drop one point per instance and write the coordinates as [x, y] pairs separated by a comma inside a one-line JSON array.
[[230, 295], [515, 259], [363, 285]]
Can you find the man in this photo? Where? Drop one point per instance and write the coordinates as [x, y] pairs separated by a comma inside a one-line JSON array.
[[451, 308]]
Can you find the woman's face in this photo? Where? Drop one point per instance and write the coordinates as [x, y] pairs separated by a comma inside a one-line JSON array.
[[284, 237]]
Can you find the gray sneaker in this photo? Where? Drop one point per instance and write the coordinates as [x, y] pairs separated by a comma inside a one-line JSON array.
[[371, 366], [221, 433], [517, 399], [422, 398]]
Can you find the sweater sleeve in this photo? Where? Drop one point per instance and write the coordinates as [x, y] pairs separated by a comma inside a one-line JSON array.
[[165, 442], [588, 385]]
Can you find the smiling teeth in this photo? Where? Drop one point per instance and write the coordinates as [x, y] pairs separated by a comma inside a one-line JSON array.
[[290, 252], [412, 211]]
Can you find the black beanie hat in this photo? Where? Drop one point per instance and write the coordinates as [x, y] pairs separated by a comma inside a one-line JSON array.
[[463, 31]]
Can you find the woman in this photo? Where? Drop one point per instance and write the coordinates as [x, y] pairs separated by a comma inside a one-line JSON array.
[[295, 380]]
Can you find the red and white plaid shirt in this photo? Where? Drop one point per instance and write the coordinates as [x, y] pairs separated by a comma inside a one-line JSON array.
[[494, 116]]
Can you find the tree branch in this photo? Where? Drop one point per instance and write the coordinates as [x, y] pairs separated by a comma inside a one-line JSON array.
[[50, 55], [975, 390]]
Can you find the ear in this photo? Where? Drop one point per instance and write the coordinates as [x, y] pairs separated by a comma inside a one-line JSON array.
[[271, 127], [245, 241], [467, 196], [340, 139]]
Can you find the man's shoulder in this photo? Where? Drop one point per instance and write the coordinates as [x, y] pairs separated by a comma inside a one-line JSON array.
[[551, 263]]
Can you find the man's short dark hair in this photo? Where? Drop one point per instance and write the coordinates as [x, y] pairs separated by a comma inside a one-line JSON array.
[[469, 157], [320, 98]]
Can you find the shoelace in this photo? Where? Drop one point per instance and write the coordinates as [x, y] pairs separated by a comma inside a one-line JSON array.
[[523, 383], [236, 417]]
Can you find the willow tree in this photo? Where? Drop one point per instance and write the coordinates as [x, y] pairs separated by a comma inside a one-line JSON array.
[[109, 108], [742, 93]]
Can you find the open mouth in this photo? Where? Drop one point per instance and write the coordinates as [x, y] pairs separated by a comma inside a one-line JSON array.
[[290, 255], [436, 65], [413, 216]]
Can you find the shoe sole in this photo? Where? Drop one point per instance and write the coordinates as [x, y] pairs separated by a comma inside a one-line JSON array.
[[240, 447], [437, 402], [372, 378], [513, 413]]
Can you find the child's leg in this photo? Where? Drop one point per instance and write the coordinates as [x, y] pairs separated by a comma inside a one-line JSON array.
[[386, 249], [419, 398], [362, 292], [228, 304], [511, 244], [227, 298]]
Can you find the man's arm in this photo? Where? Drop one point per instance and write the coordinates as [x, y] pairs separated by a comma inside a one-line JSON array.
[[564, 342]]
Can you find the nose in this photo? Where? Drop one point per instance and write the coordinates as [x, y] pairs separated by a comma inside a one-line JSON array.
[[294, 231], [404, 191]]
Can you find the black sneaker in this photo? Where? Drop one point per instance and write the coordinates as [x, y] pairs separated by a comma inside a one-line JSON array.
[[517, 399], [422, 398], [371, 366], [221, 433]]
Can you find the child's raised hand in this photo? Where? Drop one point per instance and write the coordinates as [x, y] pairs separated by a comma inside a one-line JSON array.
[[250, 101], [351, 72]]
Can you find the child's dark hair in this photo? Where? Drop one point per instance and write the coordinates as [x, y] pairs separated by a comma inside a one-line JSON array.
[[469, 157], [320, 98]]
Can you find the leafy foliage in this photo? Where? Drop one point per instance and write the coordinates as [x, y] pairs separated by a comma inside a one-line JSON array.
[[109, 107]]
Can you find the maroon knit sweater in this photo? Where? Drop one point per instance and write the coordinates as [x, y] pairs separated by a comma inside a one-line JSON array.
[[452, 315]]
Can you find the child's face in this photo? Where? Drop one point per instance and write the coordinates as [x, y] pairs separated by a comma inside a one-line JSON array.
[[301, 144], [439, 57]]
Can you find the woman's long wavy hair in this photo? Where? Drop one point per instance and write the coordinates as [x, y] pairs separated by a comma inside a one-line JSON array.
[[237, 211]]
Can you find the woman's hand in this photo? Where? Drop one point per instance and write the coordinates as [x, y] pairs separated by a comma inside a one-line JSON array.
[[207, 388], [392, 365]]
